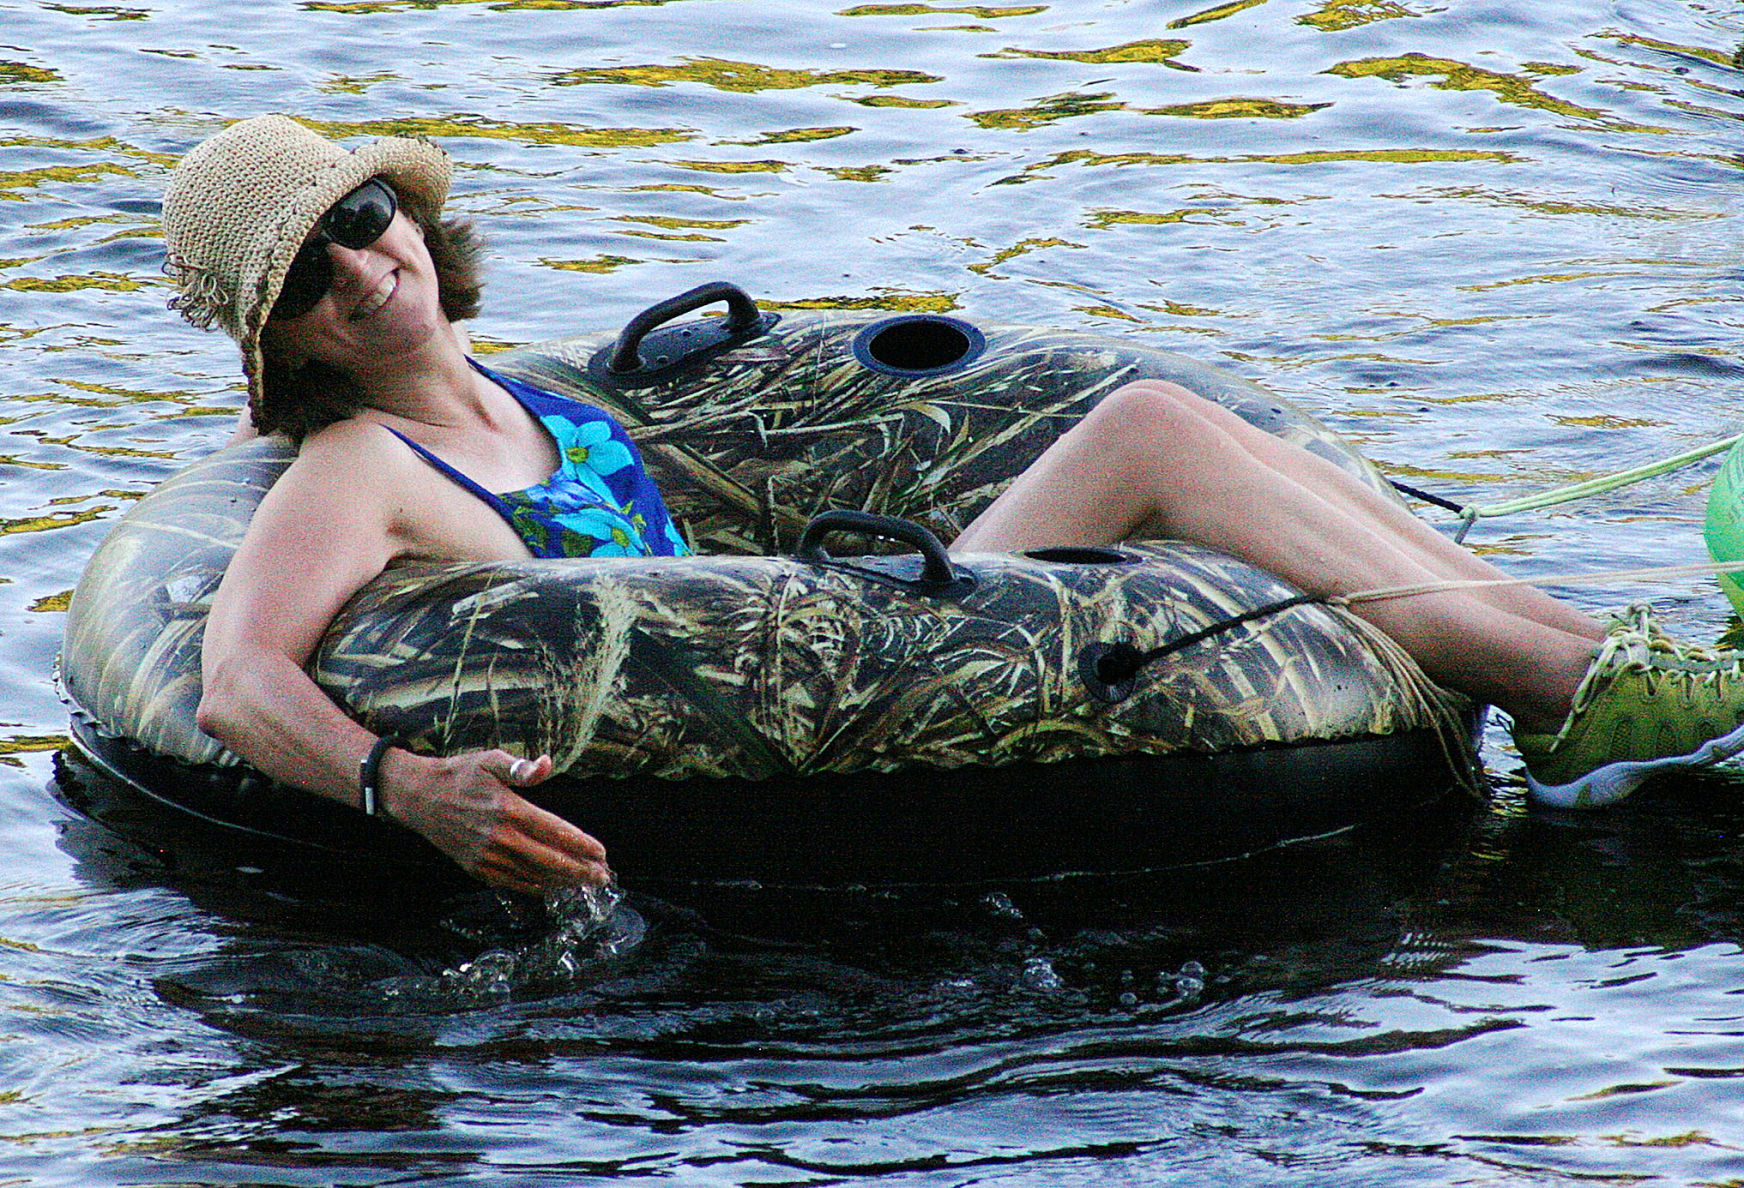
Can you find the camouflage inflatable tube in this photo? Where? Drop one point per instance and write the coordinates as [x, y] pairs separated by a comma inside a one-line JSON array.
[[851, 714]]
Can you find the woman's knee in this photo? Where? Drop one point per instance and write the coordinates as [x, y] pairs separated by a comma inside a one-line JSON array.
[[1157, 417]]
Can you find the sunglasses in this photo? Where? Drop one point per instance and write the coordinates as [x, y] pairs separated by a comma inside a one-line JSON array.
[[355, 221]]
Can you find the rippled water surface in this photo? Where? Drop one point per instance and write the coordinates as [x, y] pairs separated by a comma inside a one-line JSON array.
[[1497, 243]]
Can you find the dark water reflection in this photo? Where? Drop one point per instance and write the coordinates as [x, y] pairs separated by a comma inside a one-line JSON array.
[[1494, 989], [1497, 244]]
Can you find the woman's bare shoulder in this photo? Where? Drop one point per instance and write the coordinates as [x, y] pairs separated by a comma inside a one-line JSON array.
[[352, 472], [357, 450], [353, 437]]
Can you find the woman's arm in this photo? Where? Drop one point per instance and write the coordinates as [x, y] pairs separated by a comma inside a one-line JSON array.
[[331, 523], [244, 429]]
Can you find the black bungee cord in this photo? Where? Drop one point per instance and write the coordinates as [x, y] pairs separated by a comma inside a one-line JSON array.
[[1413, 493], [1110, 669]]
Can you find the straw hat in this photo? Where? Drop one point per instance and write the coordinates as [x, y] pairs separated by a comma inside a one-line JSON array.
[[239, 206]]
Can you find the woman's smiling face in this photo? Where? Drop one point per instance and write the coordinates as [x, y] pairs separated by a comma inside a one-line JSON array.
[[382, 303]]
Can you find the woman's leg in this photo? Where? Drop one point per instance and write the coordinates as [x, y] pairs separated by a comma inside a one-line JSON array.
[[1153, 459]]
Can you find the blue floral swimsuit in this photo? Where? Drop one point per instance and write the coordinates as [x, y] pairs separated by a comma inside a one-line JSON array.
[[600, 503]]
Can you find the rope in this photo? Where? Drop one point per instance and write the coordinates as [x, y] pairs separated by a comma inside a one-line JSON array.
[[1597, 486], [1598, 577]]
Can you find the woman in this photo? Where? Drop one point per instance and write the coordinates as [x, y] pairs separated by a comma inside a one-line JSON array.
[[334, 273]]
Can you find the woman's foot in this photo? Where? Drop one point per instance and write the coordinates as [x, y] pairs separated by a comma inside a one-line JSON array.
[[1647, 704]]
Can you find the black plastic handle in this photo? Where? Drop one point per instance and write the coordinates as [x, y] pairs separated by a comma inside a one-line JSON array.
[[742, 317], [936, 570]]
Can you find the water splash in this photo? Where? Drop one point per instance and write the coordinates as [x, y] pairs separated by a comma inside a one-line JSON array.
[[565, 942], [1039, 975]]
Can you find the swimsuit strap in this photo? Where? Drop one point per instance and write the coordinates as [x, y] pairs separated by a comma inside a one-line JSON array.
[[536, 401], [496, 501]]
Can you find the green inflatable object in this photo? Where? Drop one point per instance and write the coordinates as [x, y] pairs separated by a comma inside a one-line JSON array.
[[1724, 529]]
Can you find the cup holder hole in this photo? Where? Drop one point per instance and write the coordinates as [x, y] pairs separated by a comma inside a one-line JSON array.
[[919, 345], [1079, 556]]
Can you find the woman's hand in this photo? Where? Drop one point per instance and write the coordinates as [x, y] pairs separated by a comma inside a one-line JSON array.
[[468, 807]]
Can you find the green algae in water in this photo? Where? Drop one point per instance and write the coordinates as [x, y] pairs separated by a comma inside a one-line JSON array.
[[1021, 248], [27, 743], [1237, 108], [1550, 206], [937, 303], [860, 173], [1092, 159], [72, 284], [345, 84], [742, 77], [673, 223], [1221, 12], [599, 265], [1335, 16], [20, 72], [105, 12], [764, 166], [107, 145], [1717, 57], [371, 7], [481, 128], [25, 179], [1160, 52], [794, 136], [1103, 219], [900, 101], [1462, 76], [48, 523], [1046, 111], [978, 11]]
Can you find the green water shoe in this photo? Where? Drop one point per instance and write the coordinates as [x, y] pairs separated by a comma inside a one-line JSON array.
[[1648, 704]]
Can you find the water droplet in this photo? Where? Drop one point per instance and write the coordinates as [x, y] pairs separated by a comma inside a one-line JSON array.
[[1038, 974]]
